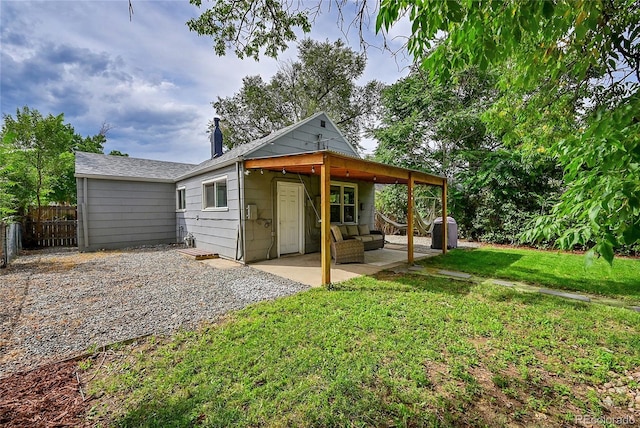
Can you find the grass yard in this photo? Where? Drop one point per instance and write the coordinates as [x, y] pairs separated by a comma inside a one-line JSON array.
[[394, 350], [549, 269]]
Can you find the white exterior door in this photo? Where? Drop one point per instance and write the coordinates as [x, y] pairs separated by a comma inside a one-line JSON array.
[[290, 218]]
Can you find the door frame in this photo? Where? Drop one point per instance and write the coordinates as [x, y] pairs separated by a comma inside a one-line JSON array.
[[300, 189]]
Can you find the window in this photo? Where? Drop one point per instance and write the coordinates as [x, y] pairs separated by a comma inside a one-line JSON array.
[[343, 198], [181, 200], [214, 193]]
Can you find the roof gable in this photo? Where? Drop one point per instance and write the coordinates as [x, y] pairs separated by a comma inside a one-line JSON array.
[[317, 132], [270, 145]]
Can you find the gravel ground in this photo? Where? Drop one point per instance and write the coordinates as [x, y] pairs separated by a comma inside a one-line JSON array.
[[58, 304]]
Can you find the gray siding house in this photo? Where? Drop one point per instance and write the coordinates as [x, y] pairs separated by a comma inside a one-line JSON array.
[[240, 213]]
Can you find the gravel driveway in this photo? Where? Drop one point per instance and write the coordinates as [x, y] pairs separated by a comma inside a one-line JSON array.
[[54, 305]]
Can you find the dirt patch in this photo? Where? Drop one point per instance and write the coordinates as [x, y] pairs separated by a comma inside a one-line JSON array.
[[49, 396]]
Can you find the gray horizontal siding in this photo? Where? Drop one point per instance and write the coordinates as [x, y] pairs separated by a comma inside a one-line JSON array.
[[215, 231], [123, 214], [305, 139]]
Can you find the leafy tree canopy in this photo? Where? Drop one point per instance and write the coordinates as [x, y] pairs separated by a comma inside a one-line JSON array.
[[254, 27], [37, 158], [322, 79], [438, 128], [570, 82]]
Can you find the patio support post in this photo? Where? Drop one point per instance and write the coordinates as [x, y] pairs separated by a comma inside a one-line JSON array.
[[325, 219], [410, 220], [445, 223]]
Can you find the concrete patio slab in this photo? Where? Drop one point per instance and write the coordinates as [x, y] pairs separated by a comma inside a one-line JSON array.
[[306, 268]]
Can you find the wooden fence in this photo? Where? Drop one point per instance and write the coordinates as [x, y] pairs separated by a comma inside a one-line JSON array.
[[51, 227], [50, 213]]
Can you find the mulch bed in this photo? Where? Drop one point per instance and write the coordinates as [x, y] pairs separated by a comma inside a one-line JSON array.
[[49, 396]]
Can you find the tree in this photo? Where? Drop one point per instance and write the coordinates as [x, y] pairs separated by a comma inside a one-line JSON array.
[[322, 79], [37, 145], [438, 128], [570, 88], [37, 154], [252, 28], [118, 153]]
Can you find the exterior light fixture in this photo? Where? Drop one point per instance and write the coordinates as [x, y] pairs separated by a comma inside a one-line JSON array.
[[375, 178], [347, 173], [261, 171], [284, 171], [313, 169]]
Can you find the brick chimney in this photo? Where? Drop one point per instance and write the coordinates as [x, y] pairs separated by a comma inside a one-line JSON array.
[[216, 139]]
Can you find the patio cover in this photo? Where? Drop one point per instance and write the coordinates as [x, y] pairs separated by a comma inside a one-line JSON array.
[[330, 165]]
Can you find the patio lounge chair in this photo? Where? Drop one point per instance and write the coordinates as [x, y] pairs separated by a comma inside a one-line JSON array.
[[345, 250]]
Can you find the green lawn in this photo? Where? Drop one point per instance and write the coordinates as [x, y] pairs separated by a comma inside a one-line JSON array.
[[549, 269], [395, 350]]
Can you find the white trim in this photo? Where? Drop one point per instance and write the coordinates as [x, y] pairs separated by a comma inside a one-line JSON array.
[[342, 185], [123, 178], [210, 168], [184, 198], [215, 194], [300, 189]]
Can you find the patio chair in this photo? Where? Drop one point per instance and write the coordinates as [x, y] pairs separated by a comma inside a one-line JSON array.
[[345, 250]]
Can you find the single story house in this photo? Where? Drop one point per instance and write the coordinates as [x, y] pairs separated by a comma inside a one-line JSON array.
[[257, 201]]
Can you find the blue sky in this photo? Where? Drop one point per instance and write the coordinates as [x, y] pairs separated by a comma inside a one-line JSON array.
[[151, 78]]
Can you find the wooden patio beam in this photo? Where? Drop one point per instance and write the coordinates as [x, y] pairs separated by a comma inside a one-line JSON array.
[[306, 159], [325, 216], [370, 167], [445, 223], [344, 162], [410, 220]]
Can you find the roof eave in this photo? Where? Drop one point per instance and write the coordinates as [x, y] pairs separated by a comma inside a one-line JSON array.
[[125, 178], [209, 169]]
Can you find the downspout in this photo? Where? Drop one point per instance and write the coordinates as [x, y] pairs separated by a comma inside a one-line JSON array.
[[241, 217], [85, 225]]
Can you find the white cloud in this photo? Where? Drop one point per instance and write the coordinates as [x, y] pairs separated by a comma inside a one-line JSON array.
[[150, 78]]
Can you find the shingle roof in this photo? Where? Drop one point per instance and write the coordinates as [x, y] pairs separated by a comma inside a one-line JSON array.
[[95, 164], [119, 167]]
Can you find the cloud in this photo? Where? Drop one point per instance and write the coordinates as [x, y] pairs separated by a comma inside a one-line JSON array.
[[150, 78]]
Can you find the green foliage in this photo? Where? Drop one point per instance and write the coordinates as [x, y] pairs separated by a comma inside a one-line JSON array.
[[322, 79], [438, 128], [36, 154], [118, 153], [570, 86], [249, 26]]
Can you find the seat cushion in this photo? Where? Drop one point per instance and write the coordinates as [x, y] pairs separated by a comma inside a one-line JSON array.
[[337, 235], [363, 229], [343, 230], [352, 230], [376, 237], [367, 238]]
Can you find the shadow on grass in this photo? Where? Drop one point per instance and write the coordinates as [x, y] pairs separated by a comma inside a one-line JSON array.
[[474, 260], [540, 271], [406, 282]]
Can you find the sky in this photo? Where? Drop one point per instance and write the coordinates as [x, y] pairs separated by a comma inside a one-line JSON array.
[[150, 78]]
